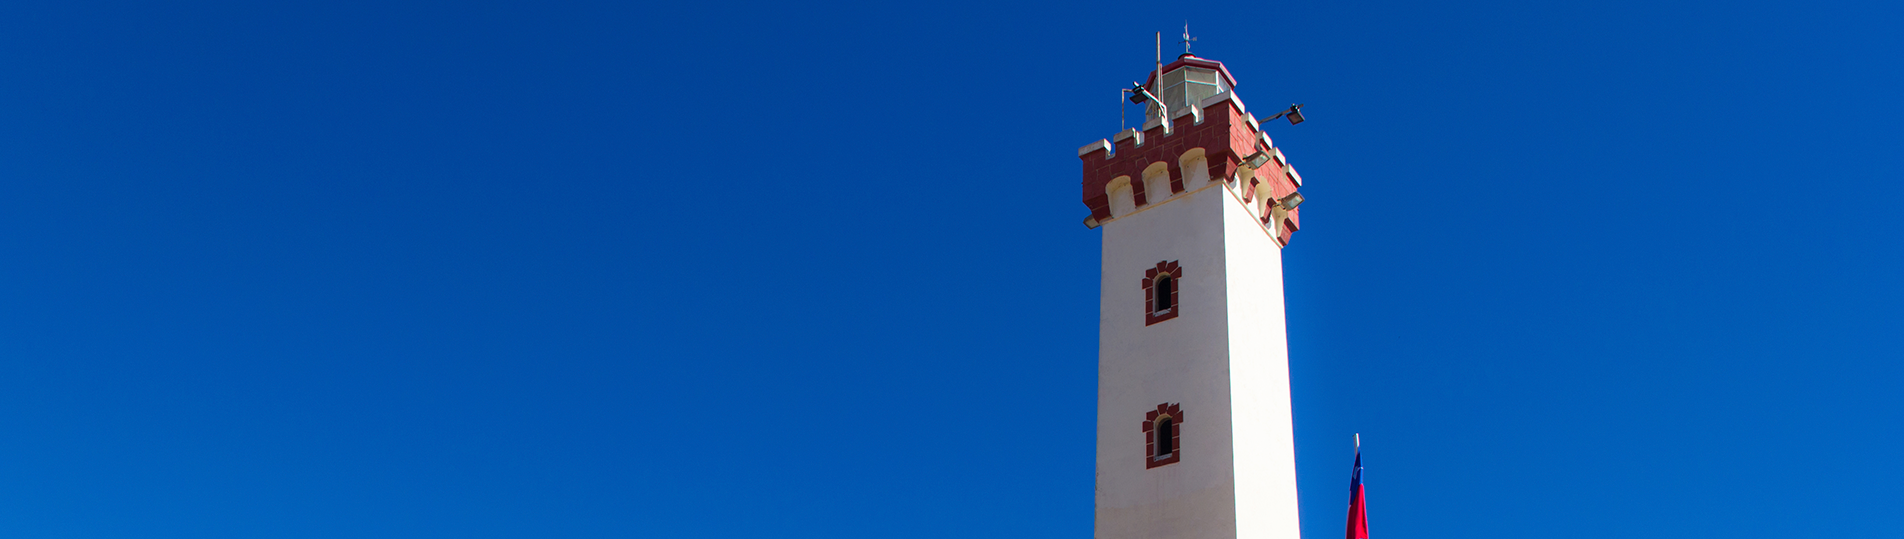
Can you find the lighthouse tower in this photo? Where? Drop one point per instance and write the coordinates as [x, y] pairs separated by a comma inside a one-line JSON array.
[[1195, 209]]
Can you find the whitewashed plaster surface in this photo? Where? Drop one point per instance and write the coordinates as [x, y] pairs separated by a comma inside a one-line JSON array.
[[1223, 358]]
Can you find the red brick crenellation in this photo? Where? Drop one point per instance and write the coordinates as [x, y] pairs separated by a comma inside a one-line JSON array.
[[1226, 139]]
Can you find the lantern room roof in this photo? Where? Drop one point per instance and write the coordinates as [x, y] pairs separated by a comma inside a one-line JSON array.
[[1190, 60]]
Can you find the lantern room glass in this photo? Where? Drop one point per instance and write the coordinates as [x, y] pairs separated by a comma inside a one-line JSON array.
[[1186, 87]]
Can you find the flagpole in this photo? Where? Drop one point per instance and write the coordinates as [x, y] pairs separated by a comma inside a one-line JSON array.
[[1358, 511]]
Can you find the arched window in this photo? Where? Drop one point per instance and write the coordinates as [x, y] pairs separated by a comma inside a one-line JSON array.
[[1166, 437], [1163, 291], [1163, 435], [1164, 295]]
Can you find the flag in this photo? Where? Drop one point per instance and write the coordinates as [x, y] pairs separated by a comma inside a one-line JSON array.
[[1358, 504]]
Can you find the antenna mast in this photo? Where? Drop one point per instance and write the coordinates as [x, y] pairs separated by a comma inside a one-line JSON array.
[[1158, 80]]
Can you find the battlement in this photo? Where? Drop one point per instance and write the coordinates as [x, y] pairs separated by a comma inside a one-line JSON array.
[[1137, 169]]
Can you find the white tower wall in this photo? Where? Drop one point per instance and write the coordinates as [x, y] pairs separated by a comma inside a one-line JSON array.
[[1224, 359], [1182, 360], [1258, 346]]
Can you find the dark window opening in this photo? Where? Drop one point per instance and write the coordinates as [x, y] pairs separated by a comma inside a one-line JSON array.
[[1166, 434], [1165, 291]]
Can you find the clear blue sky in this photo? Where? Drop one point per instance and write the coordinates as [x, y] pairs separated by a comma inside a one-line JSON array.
[[700, 270]]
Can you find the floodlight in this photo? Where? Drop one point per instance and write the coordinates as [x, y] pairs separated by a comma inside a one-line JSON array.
[[1140, 95], [1294, 114], [1257, 160], [1290, 202]]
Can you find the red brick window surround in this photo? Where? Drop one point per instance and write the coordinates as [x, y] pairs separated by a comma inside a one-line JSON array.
[[1162, 286], [1163, 435]]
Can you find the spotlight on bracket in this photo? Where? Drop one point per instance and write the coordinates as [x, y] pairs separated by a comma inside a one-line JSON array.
[[1257, 160], [1138, 93], [1290, 202], [1294, 114], [1091, 222]]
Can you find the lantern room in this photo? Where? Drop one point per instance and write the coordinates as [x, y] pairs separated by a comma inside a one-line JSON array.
[[1186, 82]]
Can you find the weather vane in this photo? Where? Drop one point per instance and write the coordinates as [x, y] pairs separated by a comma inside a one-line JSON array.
[[1186, 37]]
